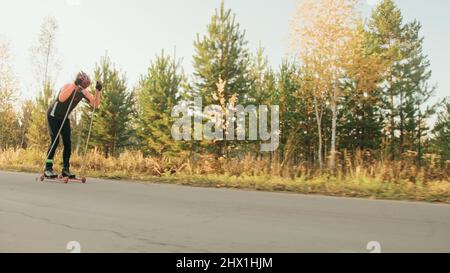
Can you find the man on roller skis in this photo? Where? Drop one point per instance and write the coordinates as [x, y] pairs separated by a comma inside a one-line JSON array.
[[58, 119]]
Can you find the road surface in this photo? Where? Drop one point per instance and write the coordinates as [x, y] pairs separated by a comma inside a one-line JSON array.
[[115, 216]]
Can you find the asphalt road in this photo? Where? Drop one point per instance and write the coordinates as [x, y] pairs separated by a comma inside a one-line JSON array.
[[114, 216]]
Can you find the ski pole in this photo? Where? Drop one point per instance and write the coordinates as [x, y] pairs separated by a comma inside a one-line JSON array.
[[87, 140]]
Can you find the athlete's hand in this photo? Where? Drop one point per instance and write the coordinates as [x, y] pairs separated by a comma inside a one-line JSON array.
[[99, 86], [79, 89], [78, 82]]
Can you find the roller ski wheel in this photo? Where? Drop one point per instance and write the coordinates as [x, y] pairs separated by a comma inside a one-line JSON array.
[[67, 179]]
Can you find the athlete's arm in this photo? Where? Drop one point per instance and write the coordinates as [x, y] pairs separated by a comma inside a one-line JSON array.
[[93, 101], [66, 92]]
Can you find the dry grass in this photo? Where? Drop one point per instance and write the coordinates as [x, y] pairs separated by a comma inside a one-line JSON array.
[[355, 178]]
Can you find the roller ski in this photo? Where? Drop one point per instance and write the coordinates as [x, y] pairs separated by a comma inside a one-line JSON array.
[[66, 176]]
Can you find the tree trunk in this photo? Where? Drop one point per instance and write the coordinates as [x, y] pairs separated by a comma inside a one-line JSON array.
[[392, 129], [419, 136], [319, 131], [22, 139], [402, 125], [332, 163]]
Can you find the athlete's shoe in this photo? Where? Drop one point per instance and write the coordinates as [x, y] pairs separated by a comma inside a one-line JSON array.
[[49, 173], [66, 173]]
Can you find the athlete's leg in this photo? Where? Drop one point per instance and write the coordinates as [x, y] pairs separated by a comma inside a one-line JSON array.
[[53, 125], [66, 137]]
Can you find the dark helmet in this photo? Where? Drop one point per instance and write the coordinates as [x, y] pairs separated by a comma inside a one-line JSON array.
[[83, 80]]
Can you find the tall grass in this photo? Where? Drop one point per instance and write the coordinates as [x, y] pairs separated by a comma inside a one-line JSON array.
[[357, 176]]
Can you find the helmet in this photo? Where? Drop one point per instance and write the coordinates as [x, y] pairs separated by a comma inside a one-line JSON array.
[[83, 80]]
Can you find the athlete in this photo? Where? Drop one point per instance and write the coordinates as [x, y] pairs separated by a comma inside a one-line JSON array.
[[58, 119]]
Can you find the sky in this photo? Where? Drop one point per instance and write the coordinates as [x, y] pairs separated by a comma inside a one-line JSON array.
[[132, 32]]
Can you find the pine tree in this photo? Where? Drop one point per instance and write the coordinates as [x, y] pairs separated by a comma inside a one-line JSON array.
[[385, 25], [441, 132], [37, 135], [405, 89], [414, 91], [158, 92], [291, 110], [260, 74], [112, 130], [222, 54], [261, 92]]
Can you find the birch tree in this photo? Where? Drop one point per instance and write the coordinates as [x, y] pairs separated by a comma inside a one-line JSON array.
[[45, 64], [320, 31]]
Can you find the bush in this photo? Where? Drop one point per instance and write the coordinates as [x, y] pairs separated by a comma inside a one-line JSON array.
[[384, 180]]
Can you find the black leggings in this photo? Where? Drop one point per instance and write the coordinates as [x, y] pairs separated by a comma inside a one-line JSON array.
[[54, 125]]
